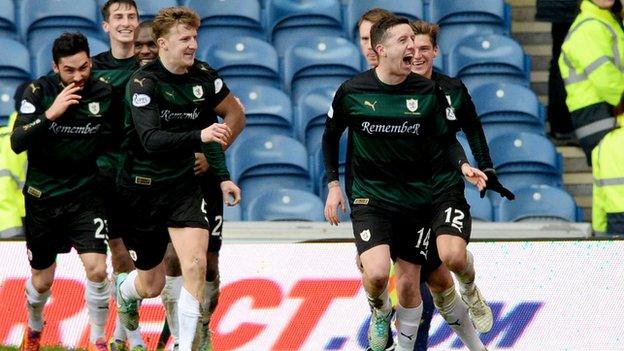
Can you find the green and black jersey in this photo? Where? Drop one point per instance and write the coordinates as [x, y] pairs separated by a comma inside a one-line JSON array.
[[465, 117], [163, 130], [115, 72], [61, 153], [394, 133]]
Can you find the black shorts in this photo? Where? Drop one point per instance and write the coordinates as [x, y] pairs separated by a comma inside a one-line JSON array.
[[407, 233], [113, 206], [56, 225], [152, 211], [213, 209], [451, 215]]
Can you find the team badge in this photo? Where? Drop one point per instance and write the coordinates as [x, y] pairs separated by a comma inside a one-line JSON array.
[[412, 104], [365, 235], [198, 91], [450, 114], [94, 108]]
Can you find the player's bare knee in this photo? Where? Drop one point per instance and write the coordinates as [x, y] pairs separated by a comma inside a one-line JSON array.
[[195, 267], [42, 282], [96, 272], [454, 260], [378, 278]]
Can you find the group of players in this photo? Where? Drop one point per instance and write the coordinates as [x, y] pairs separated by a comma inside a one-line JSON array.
[[127, 144]]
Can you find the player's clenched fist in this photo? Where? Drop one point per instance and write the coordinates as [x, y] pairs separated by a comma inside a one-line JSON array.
[[218, 132], [64, 99]]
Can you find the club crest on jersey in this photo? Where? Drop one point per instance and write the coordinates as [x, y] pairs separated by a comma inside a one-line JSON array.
[[218, 84], [450, 114], [365, 235], [198, 91], [94, 108], [412, 104]]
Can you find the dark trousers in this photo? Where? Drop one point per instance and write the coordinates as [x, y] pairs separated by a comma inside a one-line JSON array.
[[558, 114]]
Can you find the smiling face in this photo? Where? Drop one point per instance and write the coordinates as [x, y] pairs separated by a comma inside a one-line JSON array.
[[74, 69], [121, 23], [396, 50], [179, 45], [424, 54], [145, 49]]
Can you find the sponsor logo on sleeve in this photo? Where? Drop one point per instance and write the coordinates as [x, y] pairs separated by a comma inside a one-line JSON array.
[[218, 84], [330, 113], [27, 107], [140, 100]]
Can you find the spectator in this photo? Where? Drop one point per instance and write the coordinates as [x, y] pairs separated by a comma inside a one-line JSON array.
[[591, 66], [12, 177], [560, 13]]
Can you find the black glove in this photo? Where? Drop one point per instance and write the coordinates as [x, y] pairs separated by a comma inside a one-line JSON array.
[[494, 185]]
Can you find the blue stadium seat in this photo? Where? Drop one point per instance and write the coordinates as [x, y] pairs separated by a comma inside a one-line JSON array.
[[460, 19], [149, 8], [290, 20], [285, 205], [8, 22], [42, 20], [14, 61], [243, 61], [313, 62], [480, 208], [311, 115], [524, 159], [261, 161], [268, 111], [232, 213], [539, 203], [42, 57], [227, 18], [508, 107], [7, 106], [412, 10], [490, 58]]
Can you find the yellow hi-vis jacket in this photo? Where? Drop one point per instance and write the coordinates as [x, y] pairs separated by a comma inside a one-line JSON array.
[[608, 188], [592, 67], [12, 178]]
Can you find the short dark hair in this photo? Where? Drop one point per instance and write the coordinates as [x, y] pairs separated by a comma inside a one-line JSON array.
[[69, 44], [374, 15], [106, 8], [379, 30], [426, 28], [146, 24]]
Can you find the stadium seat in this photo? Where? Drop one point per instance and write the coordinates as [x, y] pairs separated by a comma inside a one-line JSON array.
[[524, 159], [506, 107], [14, 61], [261, 161], [232, 213], [285, 205], [288, 21], [42, 20], [490, 58], [243, 61], [149, 8], [311, 115], [227, 18], [459, 19], [8, 22], [313, 62], [539, 203], [480, 208], [412, 10], [42, 58], [268, 111], [7, 106]]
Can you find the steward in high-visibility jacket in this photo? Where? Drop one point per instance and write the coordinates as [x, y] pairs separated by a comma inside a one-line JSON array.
[[12, 178], [608, 192], [591, 65]]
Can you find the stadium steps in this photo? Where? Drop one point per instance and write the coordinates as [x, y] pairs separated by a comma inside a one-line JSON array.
[[577, 178], [535, 39]]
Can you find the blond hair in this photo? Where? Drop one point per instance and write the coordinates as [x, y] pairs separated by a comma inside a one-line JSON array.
[[374, 15], [170, 17], [426, 28]]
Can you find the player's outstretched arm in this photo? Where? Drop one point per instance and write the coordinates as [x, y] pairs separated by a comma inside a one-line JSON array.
[[474, 175], [334, 199], [231, 193]]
